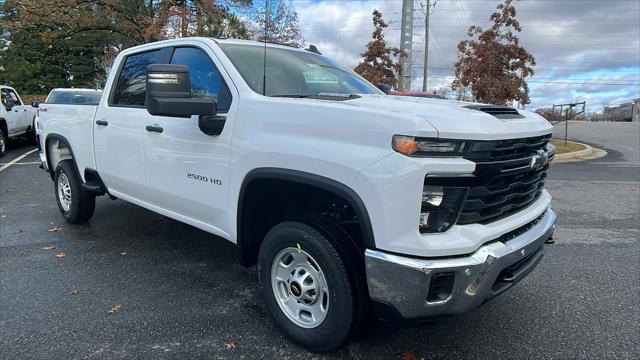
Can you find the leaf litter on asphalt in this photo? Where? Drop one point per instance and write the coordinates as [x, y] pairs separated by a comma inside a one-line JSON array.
[[61, 254], [55, 228], [408, 355], [74, 291], [49, 247], [114, 309], [230, 344], [19, 231]]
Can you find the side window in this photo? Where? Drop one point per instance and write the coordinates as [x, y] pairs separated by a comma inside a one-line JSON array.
[[10, 98], [130, 88], [206, 80]]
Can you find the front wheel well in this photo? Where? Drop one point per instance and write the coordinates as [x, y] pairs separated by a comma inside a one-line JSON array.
[[273, 196], [3, 127]]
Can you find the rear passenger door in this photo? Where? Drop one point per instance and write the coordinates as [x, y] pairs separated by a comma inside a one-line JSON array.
[[187, 171], [119, 128]]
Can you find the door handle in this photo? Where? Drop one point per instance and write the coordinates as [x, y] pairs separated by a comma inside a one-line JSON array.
[[154, 128], [102, 122]]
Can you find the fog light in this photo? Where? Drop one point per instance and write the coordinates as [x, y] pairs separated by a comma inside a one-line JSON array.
[[440, 207], [432, 195]]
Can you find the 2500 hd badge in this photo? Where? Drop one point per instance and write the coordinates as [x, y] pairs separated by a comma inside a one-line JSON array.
[[204, 178]]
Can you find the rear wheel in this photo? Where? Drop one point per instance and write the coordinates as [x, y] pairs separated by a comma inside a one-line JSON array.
[[3, 142], [75, 203], [308, 284]]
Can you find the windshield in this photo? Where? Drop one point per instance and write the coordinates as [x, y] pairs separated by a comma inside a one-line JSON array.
[[294, 73], [74, 97]]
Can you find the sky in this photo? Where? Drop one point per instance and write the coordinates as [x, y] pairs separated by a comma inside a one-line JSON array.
[[584, 49]]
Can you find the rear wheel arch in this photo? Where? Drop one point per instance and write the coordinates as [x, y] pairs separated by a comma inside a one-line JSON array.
[[269, 196], [58, 148]]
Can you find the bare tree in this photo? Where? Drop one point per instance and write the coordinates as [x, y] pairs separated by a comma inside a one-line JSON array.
[[275, 21]]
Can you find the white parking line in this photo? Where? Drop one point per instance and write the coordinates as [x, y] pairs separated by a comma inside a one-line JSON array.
[[5, 166]]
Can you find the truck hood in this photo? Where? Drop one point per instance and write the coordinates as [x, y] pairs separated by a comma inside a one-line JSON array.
[[453, 120]]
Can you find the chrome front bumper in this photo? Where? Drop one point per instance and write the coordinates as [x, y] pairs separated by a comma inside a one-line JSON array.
[[403, 284]]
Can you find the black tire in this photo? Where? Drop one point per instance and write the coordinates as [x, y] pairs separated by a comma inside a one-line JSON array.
[[31, 134], [333, 251], [3, 142], [82, 202]]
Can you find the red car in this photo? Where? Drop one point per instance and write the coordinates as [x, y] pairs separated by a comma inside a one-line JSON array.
[[421, 94]]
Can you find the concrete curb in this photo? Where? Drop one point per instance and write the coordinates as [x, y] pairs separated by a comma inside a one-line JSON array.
[[589, 153]]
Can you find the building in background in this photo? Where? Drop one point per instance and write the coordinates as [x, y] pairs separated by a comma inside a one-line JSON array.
[[623, 112]]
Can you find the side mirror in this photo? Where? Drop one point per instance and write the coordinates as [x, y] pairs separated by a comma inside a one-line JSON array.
[[35, 104], [168, 93], [385, 88]]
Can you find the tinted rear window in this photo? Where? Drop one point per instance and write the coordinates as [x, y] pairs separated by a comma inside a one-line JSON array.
[[74, 97]]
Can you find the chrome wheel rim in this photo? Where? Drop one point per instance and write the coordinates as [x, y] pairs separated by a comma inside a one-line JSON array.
[[64, 191], [2, 143], [300, 287]]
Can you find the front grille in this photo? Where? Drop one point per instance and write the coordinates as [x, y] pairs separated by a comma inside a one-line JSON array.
[[506, 181]]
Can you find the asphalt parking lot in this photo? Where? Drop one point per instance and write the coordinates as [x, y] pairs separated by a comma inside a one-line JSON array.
[[182, 293]]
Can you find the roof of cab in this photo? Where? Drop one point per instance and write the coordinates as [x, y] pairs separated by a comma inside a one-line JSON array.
[[256, 43]]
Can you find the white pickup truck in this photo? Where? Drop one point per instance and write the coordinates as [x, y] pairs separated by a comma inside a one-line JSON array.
[[16, 118], [350, 201]]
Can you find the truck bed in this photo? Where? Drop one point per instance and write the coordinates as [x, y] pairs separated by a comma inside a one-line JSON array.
[[75, 124]]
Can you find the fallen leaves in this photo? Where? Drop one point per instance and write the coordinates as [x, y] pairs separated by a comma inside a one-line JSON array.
[[74, 291], [124, 253], [49, 247], [230, 344], [55, 228], [114, 309], [19, 231], [408, 355], [61, 254]]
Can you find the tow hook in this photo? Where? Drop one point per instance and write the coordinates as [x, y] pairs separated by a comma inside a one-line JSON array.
[[550, 240]]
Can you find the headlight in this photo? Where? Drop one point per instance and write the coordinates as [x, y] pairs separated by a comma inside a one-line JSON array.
[[440, 207], [412, 146]]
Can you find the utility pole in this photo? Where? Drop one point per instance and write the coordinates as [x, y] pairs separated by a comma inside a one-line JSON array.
[[406, 41], [425, 69]]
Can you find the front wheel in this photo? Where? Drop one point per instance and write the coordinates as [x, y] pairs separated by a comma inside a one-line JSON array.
[[307, 286], [75, 203]]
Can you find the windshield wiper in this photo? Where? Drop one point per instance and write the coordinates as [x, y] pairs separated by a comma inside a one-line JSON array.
[[323, 96]]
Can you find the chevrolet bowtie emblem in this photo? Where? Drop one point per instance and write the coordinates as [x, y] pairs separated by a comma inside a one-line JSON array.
[[539, 159]]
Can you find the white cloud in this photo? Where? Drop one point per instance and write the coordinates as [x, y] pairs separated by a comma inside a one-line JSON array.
[[596, 40]]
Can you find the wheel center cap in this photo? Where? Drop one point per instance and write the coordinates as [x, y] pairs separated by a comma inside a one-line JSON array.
[[296, 290]]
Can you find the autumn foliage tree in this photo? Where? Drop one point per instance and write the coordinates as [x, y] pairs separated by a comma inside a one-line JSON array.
[[494, 65], [379, 64], [61, 43]]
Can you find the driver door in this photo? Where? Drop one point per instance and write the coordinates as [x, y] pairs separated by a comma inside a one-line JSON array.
[[187, 171]]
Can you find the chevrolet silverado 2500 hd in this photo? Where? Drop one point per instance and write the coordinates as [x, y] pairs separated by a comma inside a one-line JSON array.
[[348, 200]]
